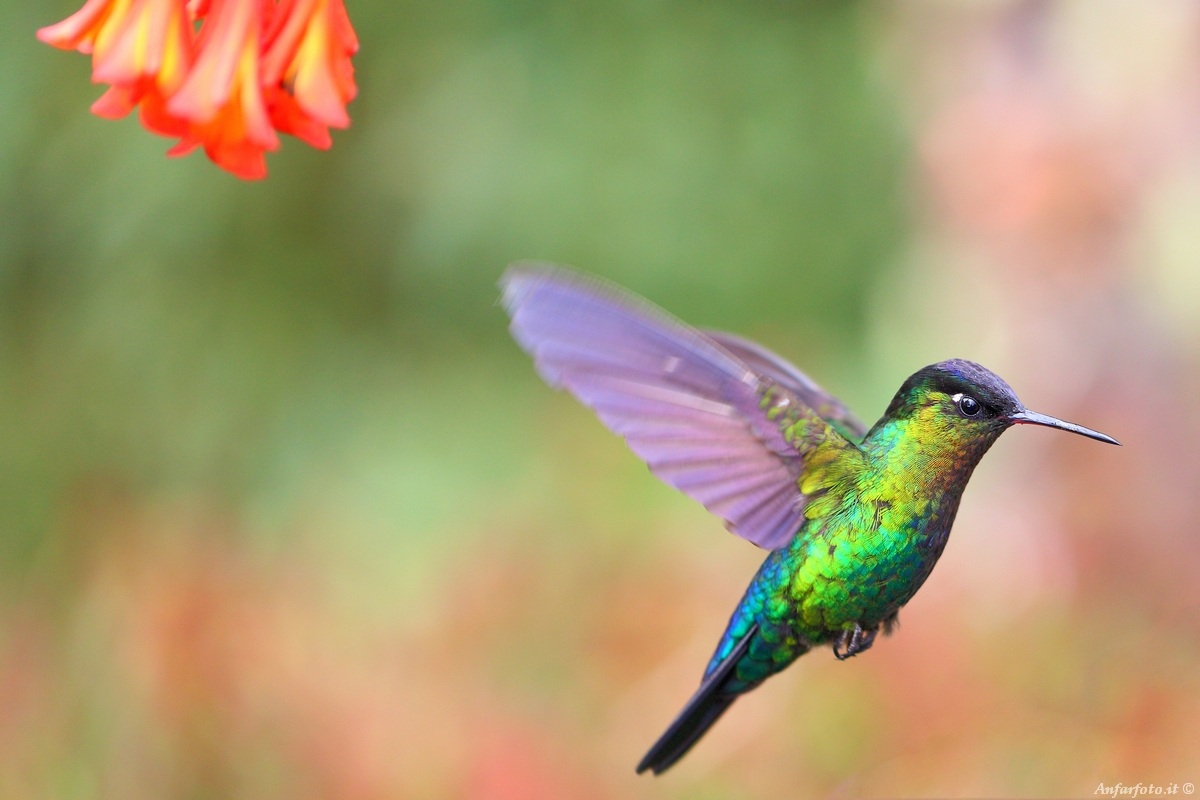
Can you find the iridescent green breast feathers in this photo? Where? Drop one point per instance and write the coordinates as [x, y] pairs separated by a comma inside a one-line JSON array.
[[855, 518]]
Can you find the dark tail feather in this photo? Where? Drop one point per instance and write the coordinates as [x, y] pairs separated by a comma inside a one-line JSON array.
[[694, 722], [706, 706]]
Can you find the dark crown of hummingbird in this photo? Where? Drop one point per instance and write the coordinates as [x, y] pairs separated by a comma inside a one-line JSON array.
[[854, 519]]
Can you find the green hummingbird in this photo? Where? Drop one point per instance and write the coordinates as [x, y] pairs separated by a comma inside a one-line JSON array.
[[854, 518]]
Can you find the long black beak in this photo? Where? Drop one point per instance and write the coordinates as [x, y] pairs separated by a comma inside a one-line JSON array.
[[1027, 417]]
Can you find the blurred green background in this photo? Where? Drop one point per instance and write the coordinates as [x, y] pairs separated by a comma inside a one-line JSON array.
[[284, 513]]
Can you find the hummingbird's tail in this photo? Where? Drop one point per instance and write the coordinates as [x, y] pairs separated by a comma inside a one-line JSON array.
[[706, 706]]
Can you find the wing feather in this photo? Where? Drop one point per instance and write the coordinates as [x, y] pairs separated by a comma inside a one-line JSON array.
[[690, 407], [789, 376]]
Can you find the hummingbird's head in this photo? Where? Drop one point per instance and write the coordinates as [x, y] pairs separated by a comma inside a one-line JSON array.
[[960, 408]]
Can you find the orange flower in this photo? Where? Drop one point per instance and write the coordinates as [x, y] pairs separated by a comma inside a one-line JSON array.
[[222, 96], [306, 65], [225, 75]]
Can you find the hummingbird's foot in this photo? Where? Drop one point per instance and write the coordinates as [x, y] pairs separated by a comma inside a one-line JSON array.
[[851, 643]]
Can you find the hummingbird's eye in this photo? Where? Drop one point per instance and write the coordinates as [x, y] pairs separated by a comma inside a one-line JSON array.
[[968, 405]]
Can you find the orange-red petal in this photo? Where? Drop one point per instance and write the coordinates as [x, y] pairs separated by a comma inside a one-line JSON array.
[[79, 31], [288, 117], [244, 159]]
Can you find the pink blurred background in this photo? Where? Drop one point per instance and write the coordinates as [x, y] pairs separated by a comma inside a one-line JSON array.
[[421, 573]]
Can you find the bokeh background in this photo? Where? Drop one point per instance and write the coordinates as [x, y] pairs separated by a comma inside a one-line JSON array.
[[284, 513]]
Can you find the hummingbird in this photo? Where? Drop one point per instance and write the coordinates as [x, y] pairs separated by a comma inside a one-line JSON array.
[[854, 517]]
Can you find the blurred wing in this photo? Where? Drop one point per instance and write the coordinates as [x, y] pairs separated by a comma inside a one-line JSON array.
[[787, 375], [702, 419]]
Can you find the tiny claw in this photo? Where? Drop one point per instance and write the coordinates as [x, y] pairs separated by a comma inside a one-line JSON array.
[[854, 641]]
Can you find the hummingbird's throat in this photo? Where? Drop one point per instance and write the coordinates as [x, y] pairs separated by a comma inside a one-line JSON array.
[[923, 456]]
